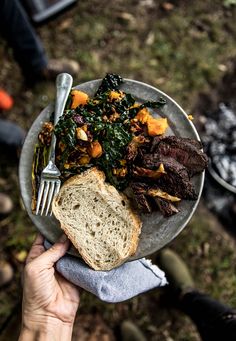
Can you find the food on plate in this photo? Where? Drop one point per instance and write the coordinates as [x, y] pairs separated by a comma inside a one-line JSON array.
[[78, 98], [166, 164], [123, 138], [186, 151], [98, 220]]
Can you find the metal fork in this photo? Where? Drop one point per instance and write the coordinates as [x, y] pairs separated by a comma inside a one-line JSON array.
[[50, 182]]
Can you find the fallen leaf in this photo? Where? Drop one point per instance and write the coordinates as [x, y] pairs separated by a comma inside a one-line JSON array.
[[21, 256]]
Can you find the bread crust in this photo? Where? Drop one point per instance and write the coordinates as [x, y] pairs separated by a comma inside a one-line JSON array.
[[135, 224]]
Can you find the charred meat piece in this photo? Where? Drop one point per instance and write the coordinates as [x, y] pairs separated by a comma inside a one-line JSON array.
[[177, 185], [193, 142], [148, 173], [186, 151], [133, 147], [166, 207], [174, 140], [155, 142], [176, 178], [153, 161], [142, 203], [156, 192], [139, 187], [138, 190], [142, 191]]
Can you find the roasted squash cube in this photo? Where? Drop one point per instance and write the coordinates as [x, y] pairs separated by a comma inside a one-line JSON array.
[[95, 149], [78, 98], [143, 115], [156, 126]]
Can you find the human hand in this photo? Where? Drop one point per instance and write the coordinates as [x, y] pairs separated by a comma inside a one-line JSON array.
[[49, 302]]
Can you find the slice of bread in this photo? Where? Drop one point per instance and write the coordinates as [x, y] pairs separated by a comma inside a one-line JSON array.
[[97, 219]]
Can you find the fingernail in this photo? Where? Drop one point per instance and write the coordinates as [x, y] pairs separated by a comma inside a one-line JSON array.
[[63, 238]]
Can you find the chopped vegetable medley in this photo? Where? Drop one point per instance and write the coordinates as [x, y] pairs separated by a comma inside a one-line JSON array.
[[120, 136], [97, 131]]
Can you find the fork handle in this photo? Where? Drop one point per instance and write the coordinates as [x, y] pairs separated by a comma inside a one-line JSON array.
[[64, 83]]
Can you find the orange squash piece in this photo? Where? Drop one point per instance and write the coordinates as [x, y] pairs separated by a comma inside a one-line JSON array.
[[143, 115], [156, 126], [114, 95], [84, 160], [95, 149], [78, 98]]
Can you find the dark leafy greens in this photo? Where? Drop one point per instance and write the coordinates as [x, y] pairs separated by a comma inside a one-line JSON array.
[[110, 82], [113, 134]]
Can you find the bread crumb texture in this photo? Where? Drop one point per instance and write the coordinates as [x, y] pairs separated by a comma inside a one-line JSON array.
[[97, 219]]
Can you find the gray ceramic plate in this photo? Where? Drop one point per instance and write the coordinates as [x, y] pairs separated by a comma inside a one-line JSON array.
[[157, 231]]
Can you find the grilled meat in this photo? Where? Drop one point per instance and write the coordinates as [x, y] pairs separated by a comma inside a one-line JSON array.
[[138, 190], [166, 207], [148, 173], [133, 147], [176, 177], [184, 150]]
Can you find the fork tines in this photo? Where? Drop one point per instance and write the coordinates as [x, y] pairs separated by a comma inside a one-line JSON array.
[[47, 190]]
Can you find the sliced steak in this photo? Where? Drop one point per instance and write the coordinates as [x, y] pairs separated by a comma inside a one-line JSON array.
[[140, 198], [176, 179], [186, 151], [155, 142], [166, 207], [134, 146], [174, 140], [139, 187], [140, 191], [178, 186], [142, 203], [153, 161]]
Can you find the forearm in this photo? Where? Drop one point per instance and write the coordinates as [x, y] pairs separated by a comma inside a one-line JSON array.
[[51, 329]]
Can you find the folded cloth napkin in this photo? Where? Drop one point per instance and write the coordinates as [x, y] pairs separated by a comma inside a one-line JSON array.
[[117, 285]]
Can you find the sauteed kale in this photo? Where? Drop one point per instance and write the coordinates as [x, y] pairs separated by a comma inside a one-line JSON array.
[[110, 82], [107, 119]]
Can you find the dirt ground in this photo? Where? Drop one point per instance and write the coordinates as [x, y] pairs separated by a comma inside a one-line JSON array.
[[183, 48]]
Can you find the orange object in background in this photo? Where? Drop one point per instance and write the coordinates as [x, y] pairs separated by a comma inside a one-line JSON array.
[[6, 101]]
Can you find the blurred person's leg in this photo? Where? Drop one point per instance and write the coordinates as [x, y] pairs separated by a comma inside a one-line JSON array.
[[215, 321], [11, 136], [27, 47], [11, 140], [20, 35]]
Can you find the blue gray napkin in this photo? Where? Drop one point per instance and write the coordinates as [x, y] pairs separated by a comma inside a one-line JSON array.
[[117, 285]]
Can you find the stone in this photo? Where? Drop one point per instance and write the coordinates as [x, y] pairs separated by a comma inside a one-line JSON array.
[[6, 273], [6, 204]]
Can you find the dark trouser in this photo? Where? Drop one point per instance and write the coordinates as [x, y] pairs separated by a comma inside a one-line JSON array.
[[20, 35], [11, 135], [215, 321]]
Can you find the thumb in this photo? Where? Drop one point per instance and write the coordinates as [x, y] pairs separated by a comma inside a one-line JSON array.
[[55, 252]]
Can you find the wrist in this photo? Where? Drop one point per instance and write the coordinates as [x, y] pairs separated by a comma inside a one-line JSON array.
[[45, 328]]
